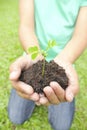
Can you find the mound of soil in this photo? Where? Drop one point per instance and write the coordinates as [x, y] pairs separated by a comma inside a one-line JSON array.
[[53, 72]]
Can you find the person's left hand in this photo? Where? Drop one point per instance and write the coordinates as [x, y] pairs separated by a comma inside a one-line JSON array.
[[54, 94]]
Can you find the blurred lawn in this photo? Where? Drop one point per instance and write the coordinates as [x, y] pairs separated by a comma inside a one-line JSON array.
[[10, 49]]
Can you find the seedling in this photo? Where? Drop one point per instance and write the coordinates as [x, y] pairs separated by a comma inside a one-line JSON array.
[[35, 51]]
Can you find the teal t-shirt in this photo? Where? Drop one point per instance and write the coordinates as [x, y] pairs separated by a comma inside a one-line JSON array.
[[55, 20]]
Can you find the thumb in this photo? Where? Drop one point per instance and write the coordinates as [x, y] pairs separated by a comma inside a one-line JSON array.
[[72, 91], [15, 74], [69, 95]]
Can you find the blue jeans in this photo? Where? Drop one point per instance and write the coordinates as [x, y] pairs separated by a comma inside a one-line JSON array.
[[60, 116]]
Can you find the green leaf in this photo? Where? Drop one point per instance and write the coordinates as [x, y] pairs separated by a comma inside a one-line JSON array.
[[52, 43], [33, 49], [44, 53], [34, 55]]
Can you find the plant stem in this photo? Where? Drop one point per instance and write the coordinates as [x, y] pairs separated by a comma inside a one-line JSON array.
[[43, 67]]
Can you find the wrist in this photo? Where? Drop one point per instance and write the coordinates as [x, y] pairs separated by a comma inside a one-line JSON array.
[[62, 58], [66, 56]]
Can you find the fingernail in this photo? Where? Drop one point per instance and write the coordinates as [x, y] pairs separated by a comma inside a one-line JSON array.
[[70, 97]]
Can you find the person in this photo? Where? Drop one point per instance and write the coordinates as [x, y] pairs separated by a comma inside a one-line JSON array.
[[41, 21]]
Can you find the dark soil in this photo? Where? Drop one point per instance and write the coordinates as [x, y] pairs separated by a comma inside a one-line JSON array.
[[53, 72]]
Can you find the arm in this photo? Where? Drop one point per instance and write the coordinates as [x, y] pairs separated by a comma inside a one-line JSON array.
[[78, 43], [27, 38], [26, 28], [66, 58], [54, 93]]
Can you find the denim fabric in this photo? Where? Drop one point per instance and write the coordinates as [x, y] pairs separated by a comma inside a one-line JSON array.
[[60, 116], [19, 109]]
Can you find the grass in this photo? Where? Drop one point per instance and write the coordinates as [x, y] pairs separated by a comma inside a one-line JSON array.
[[10, 49]]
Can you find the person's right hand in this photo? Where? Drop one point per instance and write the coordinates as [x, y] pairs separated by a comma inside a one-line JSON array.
[[24, 90]]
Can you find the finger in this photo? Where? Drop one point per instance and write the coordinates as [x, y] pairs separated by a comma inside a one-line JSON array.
[[73, 88], [33, 97], [71, 92], [15, 74], [26, 96], [44, 101], [69, 95], [22, 87], [20, 64], [23, 63], [51, 96], [59, 91]]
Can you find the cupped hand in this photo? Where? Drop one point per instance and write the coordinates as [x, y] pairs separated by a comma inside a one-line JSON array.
[[73, 86], [23, 89], [54, 94]]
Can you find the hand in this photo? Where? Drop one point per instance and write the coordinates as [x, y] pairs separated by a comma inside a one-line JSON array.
[[54, 93], [73, 87], [24, 90]]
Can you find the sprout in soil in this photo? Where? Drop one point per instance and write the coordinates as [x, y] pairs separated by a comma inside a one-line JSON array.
[[35, 51]]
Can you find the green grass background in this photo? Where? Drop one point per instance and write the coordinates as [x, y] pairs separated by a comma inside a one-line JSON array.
[[10, 49]]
